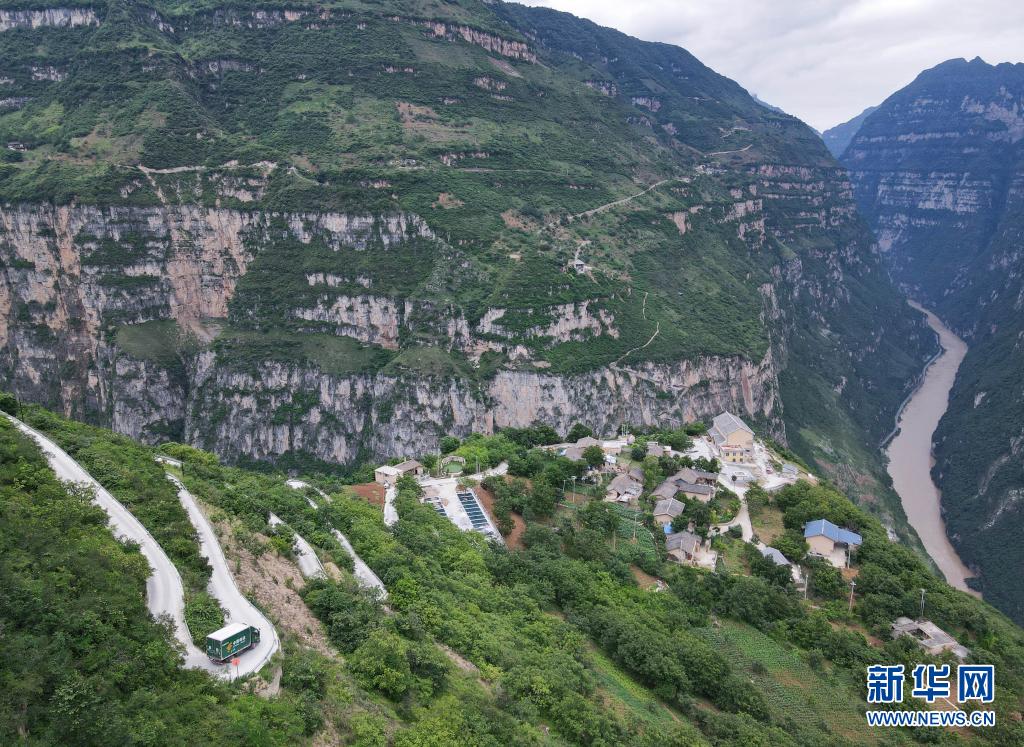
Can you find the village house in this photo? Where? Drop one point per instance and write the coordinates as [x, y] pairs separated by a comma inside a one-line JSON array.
[[615, 446], [657, 450], [675, 485], [733, 438], [929, 636], [830, 542], [667, 489], [702, 493], [683, 547], [388, 474], [624, 489], [696, 476], [667, 509], [774, 555], [574, 451]]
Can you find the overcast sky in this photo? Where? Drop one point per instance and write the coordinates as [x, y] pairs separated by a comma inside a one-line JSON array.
[[821, 60]]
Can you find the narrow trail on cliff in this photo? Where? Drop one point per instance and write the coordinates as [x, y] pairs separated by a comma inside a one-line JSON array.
[[727, 152], [613, 203], [657, 331]]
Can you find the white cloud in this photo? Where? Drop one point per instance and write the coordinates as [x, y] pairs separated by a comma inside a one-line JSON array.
[[821, 60]]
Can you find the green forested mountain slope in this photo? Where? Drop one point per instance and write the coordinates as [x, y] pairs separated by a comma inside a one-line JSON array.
[[551, 642], [939, 172], [81, 661], [310, 232]]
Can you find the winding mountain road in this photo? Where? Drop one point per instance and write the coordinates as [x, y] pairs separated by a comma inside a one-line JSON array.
[[223, 588], [363, 573], [165, 594], [305, 555]]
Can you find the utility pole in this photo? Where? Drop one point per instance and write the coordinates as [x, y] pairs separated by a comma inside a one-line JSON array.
[[853, 585], [807, 582], [922, 605], [573, 499]]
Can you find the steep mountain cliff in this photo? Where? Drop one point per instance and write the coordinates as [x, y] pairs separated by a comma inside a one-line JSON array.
[[316, 232], [939, 172]]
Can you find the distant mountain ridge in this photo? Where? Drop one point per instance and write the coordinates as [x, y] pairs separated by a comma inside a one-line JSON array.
[[838, 138], [938, 172]]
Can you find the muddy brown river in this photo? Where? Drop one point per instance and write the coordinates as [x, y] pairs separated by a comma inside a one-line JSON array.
[[910, 454]]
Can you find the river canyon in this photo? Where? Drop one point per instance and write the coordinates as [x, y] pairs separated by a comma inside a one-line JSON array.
[[910, 453]]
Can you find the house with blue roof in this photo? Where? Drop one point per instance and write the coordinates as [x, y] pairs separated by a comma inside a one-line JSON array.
[[826, 540]]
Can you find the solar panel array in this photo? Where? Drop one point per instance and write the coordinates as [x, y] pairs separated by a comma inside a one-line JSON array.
[[436, 503], [476, 514]]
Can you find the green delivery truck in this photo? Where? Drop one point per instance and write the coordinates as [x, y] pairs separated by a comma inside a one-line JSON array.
[[231, 640]]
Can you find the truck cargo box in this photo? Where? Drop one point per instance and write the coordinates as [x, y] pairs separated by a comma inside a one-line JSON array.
[[230, 640]]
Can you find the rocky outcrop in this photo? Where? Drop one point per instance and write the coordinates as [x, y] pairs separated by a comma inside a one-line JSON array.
[[56, 17], [604, 87], [516, 50], [48, 72], [256, 414], [372, 319], [646, 102], [72, 275]]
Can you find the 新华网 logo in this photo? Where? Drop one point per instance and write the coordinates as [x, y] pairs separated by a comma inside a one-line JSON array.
[[931, 683]]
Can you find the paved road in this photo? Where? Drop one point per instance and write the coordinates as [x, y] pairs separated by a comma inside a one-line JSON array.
[[363, 573], [742, 517], [301, 485], [165, 595], [305, 555], [222, 586], [390, 512]]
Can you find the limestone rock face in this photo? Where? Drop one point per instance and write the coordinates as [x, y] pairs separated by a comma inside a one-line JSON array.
[[57, 17], [62, 302]]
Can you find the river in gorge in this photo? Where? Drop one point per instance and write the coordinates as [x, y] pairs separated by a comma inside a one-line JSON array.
[[910, 453]]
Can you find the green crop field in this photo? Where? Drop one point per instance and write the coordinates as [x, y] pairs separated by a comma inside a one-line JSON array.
[[630, 523]]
